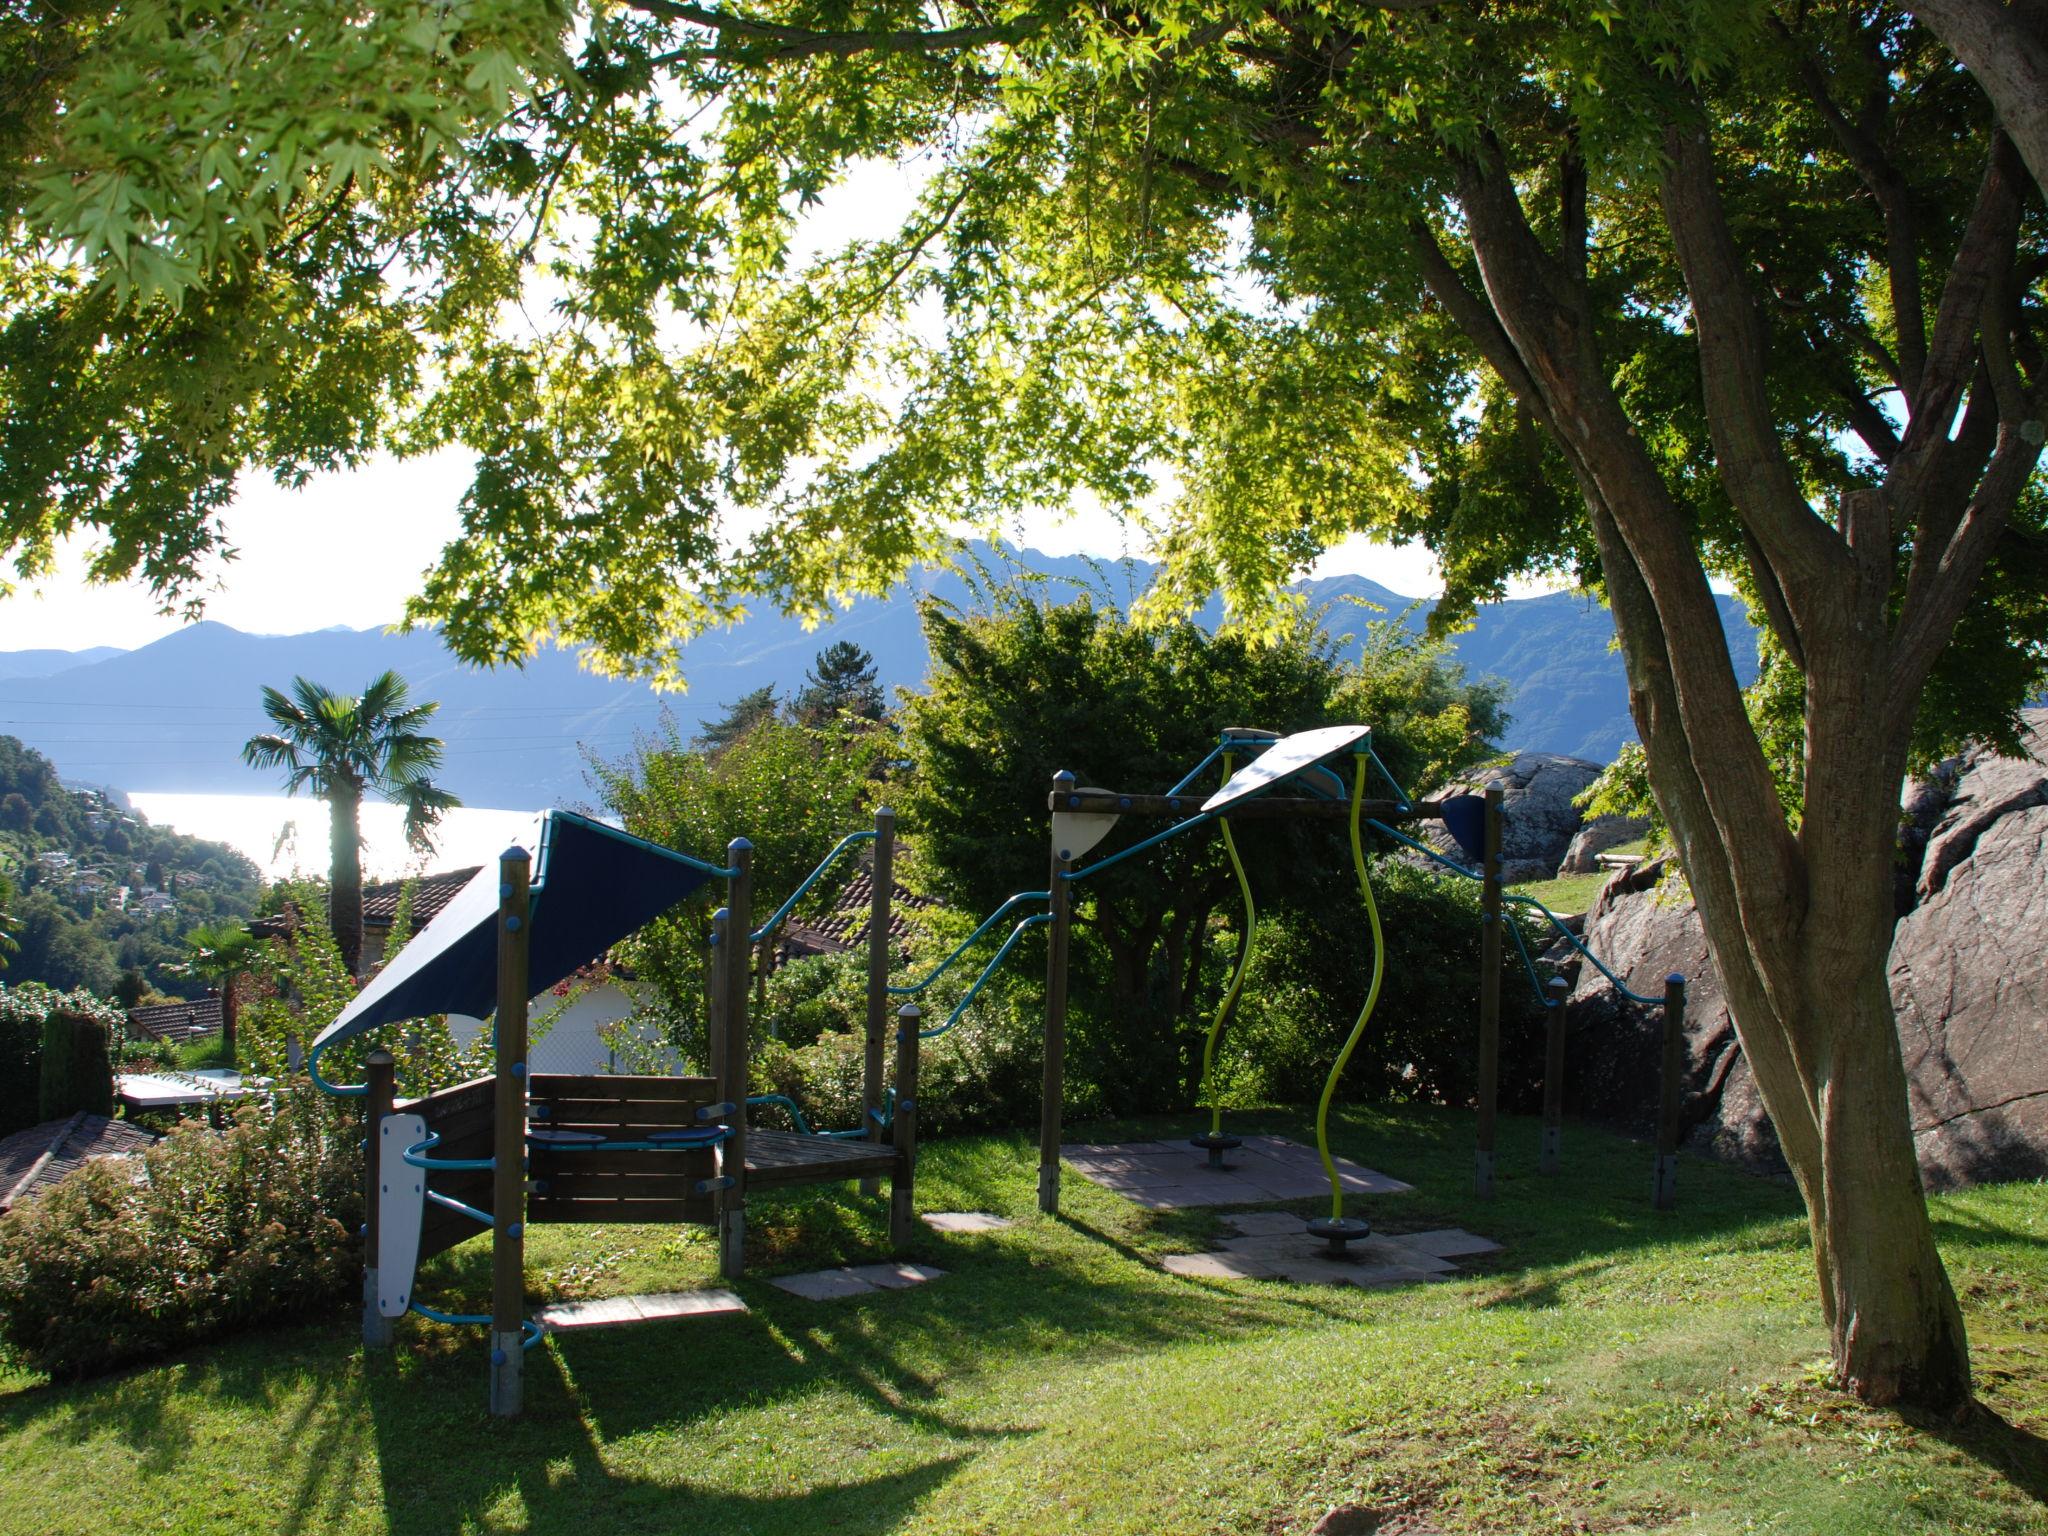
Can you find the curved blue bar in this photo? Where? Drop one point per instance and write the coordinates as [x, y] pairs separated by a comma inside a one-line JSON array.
[[911, 989], [534, 1331], [1573, 939], [786, 1102], [457, 1164], [987, 971], [340, 1090], [810, 880], [1195, 772], [1393, 783]]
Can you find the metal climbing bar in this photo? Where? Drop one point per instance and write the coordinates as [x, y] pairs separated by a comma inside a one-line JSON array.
[[534, 1331], [339, 1090], [1196, 771], [986, 971], [1393, 783], [449, 1202], [810, 880], [784, 1101], [1573, 939], [912, 988], [1136, 848]]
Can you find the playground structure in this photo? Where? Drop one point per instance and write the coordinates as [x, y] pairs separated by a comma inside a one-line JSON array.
[[518, 1149], [1082, 817]]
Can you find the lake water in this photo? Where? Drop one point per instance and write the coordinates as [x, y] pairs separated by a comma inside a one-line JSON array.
[[286, 836]]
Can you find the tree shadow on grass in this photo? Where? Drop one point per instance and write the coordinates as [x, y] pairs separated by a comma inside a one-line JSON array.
[[558, 1470], [2009, 1450]]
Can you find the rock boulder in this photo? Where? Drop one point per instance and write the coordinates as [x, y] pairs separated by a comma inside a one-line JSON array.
[[1595, 838], [1969, 978], [1539, 819]]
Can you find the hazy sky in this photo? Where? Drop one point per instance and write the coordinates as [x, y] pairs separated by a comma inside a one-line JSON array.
[[350, 547]]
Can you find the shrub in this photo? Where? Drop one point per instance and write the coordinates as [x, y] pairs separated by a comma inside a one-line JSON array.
[[23, 1010], [77, 1073], [981, 1074], [214, 1231], [1310, 972]]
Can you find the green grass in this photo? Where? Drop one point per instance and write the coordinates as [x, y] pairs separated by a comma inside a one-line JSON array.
[[1614, 1369], [1569, 894]]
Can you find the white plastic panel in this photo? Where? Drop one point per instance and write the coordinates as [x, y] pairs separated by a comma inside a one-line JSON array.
[[1284, 759], [401, 1203]]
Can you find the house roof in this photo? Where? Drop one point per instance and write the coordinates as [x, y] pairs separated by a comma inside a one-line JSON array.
[[47, 1154], [176, 1022], [380, 903], [845, 927]]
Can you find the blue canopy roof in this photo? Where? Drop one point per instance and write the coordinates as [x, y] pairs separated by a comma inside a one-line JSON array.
[[592, 885]]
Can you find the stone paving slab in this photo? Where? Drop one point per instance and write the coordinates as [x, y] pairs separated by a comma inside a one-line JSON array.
[[965, 1221], [1450, 1243], [1275, 1245], [858, 1280], [611, 1311], [1169, 1174], [895, 1277]]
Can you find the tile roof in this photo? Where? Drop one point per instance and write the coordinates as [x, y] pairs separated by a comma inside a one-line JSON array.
[[845, 927], [47, 1154], [380, 903], [176, 1022]]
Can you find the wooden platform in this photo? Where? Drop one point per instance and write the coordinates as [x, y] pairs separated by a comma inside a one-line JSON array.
[[776, 1159]]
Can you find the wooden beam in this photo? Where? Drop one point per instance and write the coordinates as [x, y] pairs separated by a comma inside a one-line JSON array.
[[1108, 802], [508, 1141], [879, 956], [1489, 994]]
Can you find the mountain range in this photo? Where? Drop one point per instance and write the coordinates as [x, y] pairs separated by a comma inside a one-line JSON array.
[[171, 716]]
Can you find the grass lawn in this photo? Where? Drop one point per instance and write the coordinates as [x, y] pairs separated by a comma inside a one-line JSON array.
[[1612, 1370], [1569, 894]]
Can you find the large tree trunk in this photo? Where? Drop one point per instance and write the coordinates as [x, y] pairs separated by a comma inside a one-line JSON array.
[[1799, 922], [345, 875], [2005, 47]]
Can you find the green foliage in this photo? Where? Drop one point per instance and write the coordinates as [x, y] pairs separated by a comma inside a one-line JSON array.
[[740, 717], [1310, 970], [25, 1008], [61, 921], [841, 683], [982, 1074], [790, 790], [223, 1232], [76, 1071], [303, 987], [1033, 687]]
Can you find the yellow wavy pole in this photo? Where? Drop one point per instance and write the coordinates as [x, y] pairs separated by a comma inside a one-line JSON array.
[[1244, 959], [1372, 996]]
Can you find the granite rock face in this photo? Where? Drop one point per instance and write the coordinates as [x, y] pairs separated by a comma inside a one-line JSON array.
[[1969, 979], [1596, 837], [1538, 817], [1969, 975]]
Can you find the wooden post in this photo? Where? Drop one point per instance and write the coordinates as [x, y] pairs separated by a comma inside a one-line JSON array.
[[903, 1179], [1489, 995], [383, 1079], [1664, 1194], [1553, 1076], [880, 950], [739, 950], [508, 1139], [1053, 1087], [714, 1002]]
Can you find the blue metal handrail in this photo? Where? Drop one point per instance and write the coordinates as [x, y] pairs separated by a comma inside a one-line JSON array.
[[339, 1090], [533, 1330], [810, 880], [412, 1155], [1156, 838], [986, 972], [912, 988]]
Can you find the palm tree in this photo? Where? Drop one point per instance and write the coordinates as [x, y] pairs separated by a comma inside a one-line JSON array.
[[220, 953], [338, 748]]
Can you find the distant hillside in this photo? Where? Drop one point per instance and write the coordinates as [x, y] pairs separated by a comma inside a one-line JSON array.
[[98, 890], [171, 716]]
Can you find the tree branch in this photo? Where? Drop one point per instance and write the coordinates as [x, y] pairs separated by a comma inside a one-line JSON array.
[[1888, 187], [774, 40], [1751, 458]]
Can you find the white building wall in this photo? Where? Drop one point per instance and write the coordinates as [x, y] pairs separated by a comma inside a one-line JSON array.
[[572, 1042]]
